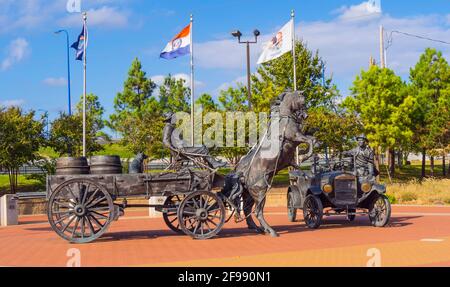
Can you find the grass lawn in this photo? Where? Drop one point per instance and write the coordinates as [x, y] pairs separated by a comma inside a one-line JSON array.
[[25, 185]]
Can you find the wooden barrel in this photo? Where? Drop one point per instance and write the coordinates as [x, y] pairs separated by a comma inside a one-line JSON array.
[[106, 164], [72, 165]]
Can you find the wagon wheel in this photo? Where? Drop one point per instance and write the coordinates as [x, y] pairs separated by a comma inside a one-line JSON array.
[[312, 211], [170, 217], [201, 215], [292, 211], [80, 210], [380, 211]]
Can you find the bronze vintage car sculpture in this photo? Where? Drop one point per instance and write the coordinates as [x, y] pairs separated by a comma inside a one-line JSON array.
[[336, 191]]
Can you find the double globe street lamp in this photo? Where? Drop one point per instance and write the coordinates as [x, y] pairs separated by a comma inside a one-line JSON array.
[[237, 34]]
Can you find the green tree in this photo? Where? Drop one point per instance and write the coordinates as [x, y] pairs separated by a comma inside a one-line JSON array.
[[66, 135], [174, 95], [233, 100], [381, 102], [138, 114], [334, 129], [274, 77], [207, 103], [20, 138], [430, 83]]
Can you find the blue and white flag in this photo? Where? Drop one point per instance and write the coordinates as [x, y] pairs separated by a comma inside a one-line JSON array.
[[79, 44]]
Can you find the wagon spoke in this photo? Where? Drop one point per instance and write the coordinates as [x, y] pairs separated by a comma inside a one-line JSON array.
[[86, 191], [96, 221], [196, 227], [212, 222], [92, 196], [68, 223], [71, 192], [75, 227], [62, 218], [207, 225], [97, 201], [89, 224], [99, 214], [99, 208], [63, 204]]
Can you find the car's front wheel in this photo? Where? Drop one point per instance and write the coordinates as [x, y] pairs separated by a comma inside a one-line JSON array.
[[380, 211], [312, 211]]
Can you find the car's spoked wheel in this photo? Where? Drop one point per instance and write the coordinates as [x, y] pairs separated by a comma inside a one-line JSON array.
[[292, 211], [171, 217], [201, 215], [380, 211], [80, 210], [312, 211]]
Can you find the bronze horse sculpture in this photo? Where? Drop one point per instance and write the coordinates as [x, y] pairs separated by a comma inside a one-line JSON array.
[[275, 151]]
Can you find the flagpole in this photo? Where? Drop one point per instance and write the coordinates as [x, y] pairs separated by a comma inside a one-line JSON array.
[[84, 82], [192, 79], [294, 64], [293, 49]]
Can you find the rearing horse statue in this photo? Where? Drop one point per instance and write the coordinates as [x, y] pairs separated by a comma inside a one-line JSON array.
[[275, 151]]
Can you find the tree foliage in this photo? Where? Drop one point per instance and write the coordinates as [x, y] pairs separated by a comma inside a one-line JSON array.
[[66, 135], [20, 138]]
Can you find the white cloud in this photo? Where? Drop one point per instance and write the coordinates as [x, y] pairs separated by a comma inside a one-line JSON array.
[[12, 103], [17, 50], [55, 82], [239, 80], [159, 79], [105, 16], [371, 8]]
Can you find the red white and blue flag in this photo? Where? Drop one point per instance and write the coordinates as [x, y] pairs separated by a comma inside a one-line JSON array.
[[180, 45]]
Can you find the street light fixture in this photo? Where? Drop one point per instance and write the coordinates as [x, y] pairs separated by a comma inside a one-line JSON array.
[[237, 34], [68, 69]]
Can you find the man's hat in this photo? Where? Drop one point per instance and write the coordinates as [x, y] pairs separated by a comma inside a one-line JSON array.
[[362, 137], [168, 116]]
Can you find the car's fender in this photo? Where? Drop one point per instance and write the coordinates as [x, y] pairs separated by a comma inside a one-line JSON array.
[[380, 188], [314, 189]]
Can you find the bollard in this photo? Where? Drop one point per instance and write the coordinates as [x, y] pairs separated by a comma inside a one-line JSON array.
[[159, 200], [9, 212]]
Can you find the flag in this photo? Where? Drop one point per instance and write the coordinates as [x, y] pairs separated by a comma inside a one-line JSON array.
[[79, 44], [279, 44], [180, 45]]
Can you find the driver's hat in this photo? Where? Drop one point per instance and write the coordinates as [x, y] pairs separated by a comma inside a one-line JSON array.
[[168, 116], [362, 137]]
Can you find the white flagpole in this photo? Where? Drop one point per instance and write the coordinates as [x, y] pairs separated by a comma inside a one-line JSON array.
[[192, 80], [84, 82], [294, 64], [293, 49]]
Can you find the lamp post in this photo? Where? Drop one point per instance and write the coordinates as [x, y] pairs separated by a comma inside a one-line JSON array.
[[237, 34], [68, 69]]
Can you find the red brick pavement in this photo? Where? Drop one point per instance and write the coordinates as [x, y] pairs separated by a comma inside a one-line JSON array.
[[136, 240]]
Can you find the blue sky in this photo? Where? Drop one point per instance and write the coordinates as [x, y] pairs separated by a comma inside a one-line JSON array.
[[33, 60]]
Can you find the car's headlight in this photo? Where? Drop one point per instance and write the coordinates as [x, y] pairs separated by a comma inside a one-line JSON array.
[[327, 188], [366, 187]]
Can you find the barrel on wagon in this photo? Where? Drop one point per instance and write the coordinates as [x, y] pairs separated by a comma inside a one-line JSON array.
[[72, 165]]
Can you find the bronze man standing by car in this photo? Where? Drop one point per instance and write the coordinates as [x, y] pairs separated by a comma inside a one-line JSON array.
[[363, 159]]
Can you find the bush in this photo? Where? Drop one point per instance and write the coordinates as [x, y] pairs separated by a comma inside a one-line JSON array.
[[391, 198], [408, 196]]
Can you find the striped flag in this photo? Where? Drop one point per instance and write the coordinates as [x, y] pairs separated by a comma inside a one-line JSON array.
[[180, 45]]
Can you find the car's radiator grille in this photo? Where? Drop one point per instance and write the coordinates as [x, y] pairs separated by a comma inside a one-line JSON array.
[[345, 190]]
